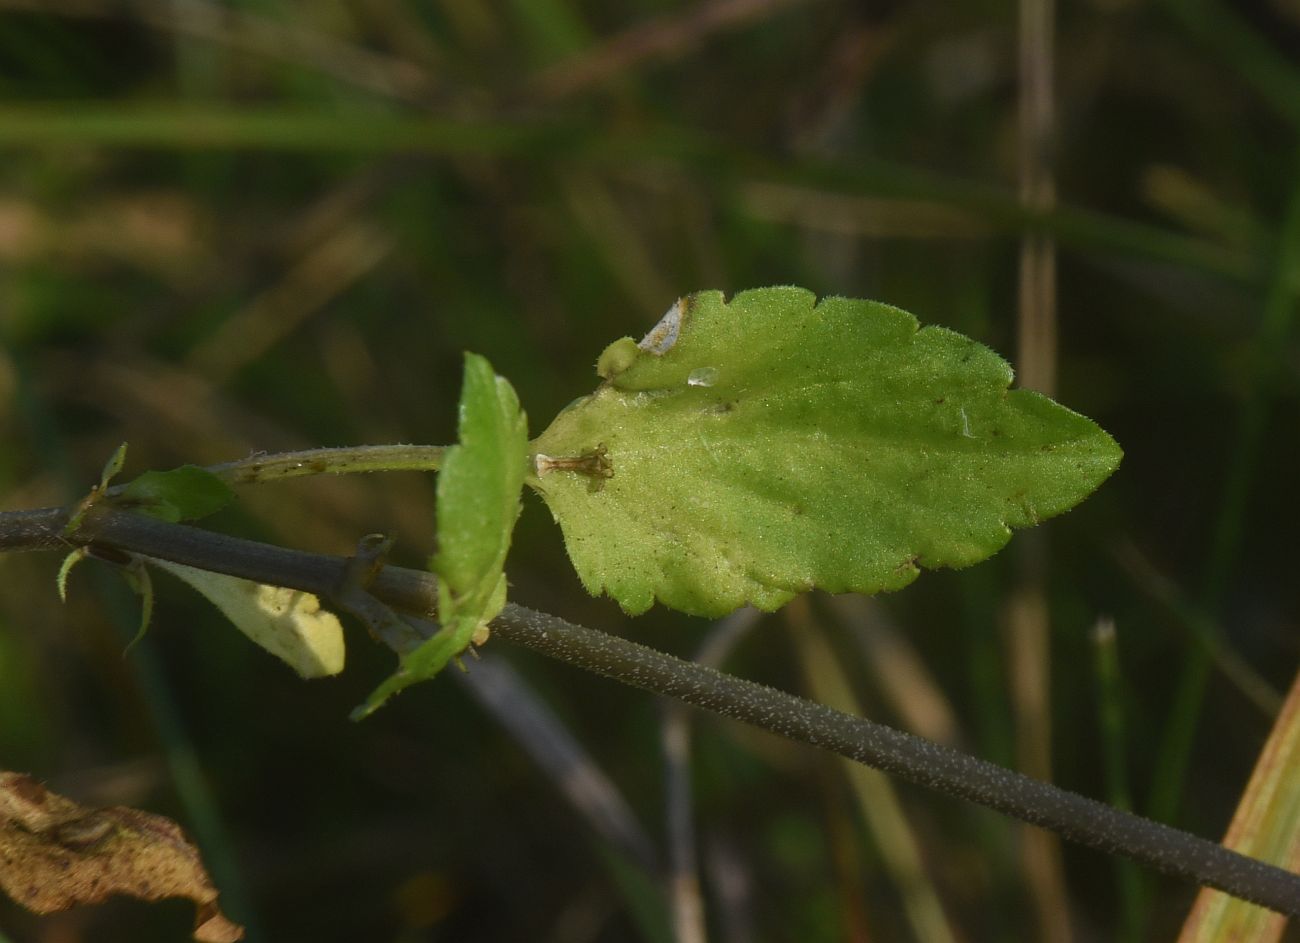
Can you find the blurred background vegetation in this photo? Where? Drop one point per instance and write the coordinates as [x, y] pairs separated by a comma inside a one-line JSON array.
[[274, 224]]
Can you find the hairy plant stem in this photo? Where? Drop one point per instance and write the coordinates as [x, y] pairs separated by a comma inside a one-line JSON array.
[[345, 460], [1073, 816]]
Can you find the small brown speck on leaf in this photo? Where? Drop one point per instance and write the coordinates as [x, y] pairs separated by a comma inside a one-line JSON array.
[[55, 854]]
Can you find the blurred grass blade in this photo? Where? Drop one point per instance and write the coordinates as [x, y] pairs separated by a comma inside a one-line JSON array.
[[877, 800], [1110, 690], [624, 847], [271, 128], [166, 126], [1232, 37], [905, 682], [1265, 826], [560, 755], [687, 899], [1280, 311]]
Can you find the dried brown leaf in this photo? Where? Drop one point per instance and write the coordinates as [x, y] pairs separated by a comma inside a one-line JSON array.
[[55, 854]]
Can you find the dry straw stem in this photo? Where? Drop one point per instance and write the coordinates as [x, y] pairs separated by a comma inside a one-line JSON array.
[[1265, 826], [1028, 617], [878, 804]]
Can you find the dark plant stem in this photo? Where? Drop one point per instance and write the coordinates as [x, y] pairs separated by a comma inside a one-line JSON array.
[[1073, 816]]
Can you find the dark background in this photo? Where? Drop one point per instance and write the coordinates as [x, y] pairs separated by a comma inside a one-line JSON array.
[[272, 224]]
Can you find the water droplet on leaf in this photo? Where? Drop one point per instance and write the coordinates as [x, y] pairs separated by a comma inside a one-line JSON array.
[[703, 376]]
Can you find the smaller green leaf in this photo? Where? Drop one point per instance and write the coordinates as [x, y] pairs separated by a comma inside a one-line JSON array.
[[135, 574], [288, 623], [113, 466], [478, 503], [137, 577], [71, 560], [181, 494], [435, 654], [107, 474]]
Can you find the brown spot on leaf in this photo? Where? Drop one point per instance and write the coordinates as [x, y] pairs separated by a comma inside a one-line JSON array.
[[907, 565], [56, 854], [594, 464]]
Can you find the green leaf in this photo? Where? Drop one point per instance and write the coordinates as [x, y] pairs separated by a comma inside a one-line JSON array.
[[747, 452], [65, 568], [110, 471], [113, 466], [478, 503], [182, 494], [137, 577], [288, 623], [135, 574]]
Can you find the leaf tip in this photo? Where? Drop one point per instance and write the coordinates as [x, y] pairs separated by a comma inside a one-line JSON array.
[[137, 577], [361, 712], [380, 695], [112, 466], [65, 568]]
